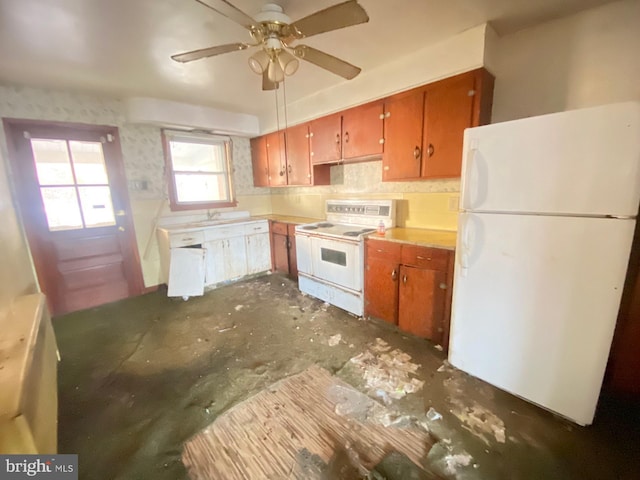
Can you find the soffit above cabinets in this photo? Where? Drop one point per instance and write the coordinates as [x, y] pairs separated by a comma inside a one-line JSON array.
[[122, 48]]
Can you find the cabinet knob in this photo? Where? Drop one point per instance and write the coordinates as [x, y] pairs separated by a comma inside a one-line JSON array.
[[381, 116], [346, 137], [394, 275], [416, 153], [337, 138], [289, 168], [404, 279], [443, 286], [310, 134], [381, 141], [430, 150]]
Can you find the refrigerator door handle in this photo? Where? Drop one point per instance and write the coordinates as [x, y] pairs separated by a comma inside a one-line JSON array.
[[475, 182], [463, 258]]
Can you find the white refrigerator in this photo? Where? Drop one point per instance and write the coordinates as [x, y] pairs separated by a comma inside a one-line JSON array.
[[547, 214]]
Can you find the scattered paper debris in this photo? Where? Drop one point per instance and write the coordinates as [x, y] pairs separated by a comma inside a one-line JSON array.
[[480, 421], [387, 372], [453, 462], [334, 340], [433, 415], [239, 307], [226, 329]]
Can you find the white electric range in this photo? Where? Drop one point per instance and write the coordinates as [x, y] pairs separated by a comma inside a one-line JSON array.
[[330, 254]]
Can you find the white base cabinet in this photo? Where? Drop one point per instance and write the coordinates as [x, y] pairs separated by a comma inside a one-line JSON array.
[[231, 251]]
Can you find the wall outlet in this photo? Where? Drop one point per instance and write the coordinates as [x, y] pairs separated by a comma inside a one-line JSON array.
[[454, 203]]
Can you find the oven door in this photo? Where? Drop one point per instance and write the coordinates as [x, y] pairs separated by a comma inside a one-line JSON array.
[[338, 262]]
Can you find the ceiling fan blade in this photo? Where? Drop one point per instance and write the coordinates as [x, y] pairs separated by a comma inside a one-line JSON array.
[[223, 7], [332, 18], [326, 61], [209, 52], [268, 84]]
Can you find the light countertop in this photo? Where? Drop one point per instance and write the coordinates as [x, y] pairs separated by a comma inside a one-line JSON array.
[[444, 239], [290, 219]]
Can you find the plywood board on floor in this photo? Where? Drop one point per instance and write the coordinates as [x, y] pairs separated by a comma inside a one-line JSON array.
[[291, 429]]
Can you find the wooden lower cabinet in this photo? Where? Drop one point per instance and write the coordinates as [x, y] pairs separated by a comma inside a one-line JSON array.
[[283, 248], [409, 286], [421, 302]]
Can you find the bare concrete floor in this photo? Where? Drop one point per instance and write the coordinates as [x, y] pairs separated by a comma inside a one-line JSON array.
[[141, 376]]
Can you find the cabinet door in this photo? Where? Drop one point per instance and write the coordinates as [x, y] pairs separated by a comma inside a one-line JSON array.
[[326, 137], [298, 163], [421, 302], [381, 289], [280, 252], [258, 253], [235, 258], [448, 111], [362, 131], [276, 157], [186, 272], [214, 261], [403, 136], [293, 256], [259, 161]]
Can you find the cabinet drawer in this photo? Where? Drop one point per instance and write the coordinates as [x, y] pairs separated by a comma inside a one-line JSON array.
[[383, 249], [186, 238], [424, 257], [229, 231], [279, 227], [258, 227]]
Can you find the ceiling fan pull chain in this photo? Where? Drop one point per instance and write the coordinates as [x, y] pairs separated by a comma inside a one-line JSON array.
[[284, 99]]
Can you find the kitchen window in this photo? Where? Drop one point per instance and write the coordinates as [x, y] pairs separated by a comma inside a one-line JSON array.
[[199, 170]]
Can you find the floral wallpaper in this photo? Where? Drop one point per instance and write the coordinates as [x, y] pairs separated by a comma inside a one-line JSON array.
[[141, 144]]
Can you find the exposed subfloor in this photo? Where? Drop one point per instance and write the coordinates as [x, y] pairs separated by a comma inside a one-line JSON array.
[[140, 377]]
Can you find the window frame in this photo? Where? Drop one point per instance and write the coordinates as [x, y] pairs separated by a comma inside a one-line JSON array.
[[174, 203]]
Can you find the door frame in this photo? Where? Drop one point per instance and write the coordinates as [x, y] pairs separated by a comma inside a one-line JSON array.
[[35, 208]]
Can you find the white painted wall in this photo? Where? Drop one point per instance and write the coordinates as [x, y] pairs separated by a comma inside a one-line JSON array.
[[586, 59], [457, 54]]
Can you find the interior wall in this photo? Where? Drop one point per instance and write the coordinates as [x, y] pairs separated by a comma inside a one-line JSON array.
[[586, 59], [17, 276], [421, 204], [143, 160]]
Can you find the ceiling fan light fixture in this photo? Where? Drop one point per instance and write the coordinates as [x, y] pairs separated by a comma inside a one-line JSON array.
[[259, 62], [275, 72], [288, 62]]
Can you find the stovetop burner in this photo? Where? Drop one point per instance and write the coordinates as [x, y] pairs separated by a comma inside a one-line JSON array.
[[355, 233], [309, 227], [324, 225]]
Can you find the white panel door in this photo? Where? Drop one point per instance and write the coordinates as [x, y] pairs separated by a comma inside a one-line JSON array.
[[235, 258], [214, 262], [258, 253], [535, 303], [577, 162], [186, 272]]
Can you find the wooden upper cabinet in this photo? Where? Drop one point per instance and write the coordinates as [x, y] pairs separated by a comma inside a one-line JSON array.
[[441, 110], [362, 131], [260, 163], [298, 163], [448, 111], [325, 135], [403, 116], [276, 155]]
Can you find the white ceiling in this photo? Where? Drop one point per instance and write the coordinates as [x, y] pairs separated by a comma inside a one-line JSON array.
[[122, 47]]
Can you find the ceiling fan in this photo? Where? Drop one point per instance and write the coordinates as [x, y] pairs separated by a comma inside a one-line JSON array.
[[274, 32]]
